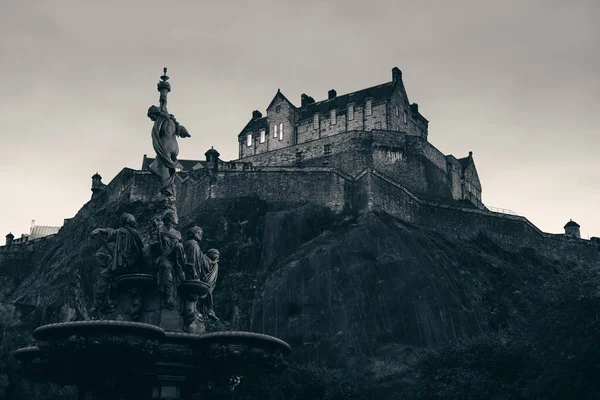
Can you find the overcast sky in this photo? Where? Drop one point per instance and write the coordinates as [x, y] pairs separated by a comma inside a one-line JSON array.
[[516, 82]]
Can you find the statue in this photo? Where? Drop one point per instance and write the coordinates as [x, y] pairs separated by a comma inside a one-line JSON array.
[[164, 139], [170, 258], [123, 258], [201, 267]]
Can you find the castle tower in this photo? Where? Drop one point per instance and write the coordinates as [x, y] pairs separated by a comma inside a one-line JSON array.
[[212, 158], [9, 238], [97, 185], [572, 229]]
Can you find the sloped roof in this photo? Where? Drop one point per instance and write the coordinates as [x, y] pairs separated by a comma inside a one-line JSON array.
[[376, 93], [38, 231], [254, 125], [282, 96]]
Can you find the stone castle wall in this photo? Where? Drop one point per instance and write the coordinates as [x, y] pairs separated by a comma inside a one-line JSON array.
[[370, 190]]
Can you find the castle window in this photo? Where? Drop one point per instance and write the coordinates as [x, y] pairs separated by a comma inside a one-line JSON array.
[[275, 130], [299, 157], [262, 136], [249, 140], [397, 111], [404, 116], [281, 131], [350, 112], [327, 149], [333, 118], [316, 121], [369, 107], [277, 109]]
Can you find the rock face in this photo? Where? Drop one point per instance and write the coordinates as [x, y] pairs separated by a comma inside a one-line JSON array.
[[338, 288]]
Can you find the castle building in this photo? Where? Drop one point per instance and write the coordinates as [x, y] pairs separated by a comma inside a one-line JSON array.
[[375, 128], [35, 232]]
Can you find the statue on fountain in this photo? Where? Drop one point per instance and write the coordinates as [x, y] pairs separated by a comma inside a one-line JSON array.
[[170, 258], [203, 268], [123, 258], [164, 139]]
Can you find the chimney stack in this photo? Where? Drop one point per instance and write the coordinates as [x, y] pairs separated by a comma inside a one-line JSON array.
[[303, 100], [256, 114], [396, 75], [331, 94], [414, 107]]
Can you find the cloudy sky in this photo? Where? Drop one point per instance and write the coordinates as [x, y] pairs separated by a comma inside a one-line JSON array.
[[516, 82]]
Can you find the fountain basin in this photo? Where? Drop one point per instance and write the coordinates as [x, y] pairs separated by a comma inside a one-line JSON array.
[[136, 281]]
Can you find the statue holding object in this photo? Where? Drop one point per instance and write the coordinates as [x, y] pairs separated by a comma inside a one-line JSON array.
[[169, 258], [164, 140], [123, 258], [202, 268]]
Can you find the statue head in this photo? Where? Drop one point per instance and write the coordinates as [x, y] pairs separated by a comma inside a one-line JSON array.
[[128, 220], [153, 113], [195, 233], [170, 218]]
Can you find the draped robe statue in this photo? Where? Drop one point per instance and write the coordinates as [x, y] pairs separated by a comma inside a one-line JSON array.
[[201, 267], [164, 140], [169, 260], [123, 258]]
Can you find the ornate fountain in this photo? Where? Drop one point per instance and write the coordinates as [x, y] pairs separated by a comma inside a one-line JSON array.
[[153, 303]]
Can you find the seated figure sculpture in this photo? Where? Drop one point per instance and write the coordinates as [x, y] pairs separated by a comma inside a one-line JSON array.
[[124, 257], [201, 267], [170, 258]]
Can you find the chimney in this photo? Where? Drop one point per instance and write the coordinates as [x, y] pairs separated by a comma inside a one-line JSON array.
[[32, 223], [303, 100], [414, 107], [572, 229], [212, 158], [256, 114], [396, 75], [9, 238], [331, 94]]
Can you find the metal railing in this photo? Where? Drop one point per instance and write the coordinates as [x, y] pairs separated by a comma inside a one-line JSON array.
[[501, 210]]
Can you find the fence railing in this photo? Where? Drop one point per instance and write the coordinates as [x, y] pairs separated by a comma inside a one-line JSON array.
[[501, 210]]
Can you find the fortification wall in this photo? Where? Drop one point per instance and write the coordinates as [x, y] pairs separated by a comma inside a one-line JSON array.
[[369, 190], [509, 231]]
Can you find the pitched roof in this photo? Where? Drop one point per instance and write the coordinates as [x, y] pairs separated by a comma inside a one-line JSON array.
[[254, 125], [376, 93], [282, 96], [41, 231]]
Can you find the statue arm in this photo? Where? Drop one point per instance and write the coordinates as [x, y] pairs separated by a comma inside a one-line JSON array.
[[107, 233], [163, 103]]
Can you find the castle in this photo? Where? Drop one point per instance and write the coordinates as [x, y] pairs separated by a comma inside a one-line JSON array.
[[363, 151], [376, 127]]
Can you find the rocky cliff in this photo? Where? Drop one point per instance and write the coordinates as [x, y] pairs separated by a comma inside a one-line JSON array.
[[344, 290]]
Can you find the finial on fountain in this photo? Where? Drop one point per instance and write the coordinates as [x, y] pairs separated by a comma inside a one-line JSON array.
[[163, 86]]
